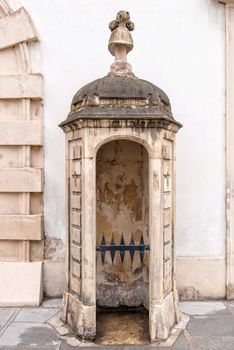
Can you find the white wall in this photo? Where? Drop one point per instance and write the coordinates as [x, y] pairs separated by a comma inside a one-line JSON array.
[[179, 46]]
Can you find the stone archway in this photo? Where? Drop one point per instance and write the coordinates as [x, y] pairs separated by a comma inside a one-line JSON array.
[[122, 215], [122, 234], [21, 163]]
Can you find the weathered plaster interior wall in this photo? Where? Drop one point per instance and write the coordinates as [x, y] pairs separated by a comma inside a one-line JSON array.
[[122, 208], [179, 45]]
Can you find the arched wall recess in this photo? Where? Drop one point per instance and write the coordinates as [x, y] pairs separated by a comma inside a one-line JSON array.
[[21, 162]]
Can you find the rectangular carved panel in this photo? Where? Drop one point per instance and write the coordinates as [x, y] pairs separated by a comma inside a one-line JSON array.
[[166, 267], [76, 235], [166, 200], [166, 217], [76, 201], [76, 184], [76, 252], [167, 232], [167, 283], [167, 251]]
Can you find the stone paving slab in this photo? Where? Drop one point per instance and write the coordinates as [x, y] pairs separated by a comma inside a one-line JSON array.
[[37, 315], [204, 308], [25, 334], [52, 303], [230, 306], [5, 314], [211, 326], [213, 343]]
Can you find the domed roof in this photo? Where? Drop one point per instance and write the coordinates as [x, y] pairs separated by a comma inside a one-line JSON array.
[[122, 97], [121, 87], [120, 94]]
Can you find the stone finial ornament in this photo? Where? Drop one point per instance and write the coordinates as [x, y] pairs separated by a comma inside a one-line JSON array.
[[120, 43]]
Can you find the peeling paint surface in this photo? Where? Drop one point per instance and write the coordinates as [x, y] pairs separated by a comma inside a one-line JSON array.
[[54, 248], [122, 207]]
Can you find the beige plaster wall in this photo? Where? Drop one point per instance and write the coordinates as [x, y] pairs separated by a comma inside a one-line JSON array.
[[203, 120]]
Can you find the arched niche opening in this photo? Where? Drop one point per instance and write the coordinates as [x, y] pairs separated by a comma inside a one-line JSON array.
[[122, 222]]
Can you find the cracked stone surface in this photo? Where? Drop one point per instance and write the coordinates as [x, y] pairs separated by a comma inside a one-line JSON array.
[[28, 334], [5, 315]]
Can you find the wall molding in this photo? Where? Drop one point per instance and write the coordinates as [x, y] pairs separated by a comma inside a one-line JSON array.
[[229, 128], [230, 146]]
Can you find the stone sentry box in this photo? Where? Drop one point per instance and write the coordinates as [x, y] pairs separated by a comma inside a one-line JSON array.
[[120, 165]]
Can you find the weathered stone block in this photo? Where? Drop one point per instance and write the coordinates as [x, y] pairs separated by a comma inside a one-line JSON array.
[[167, 233], [166, 200], [21, 180], [76, 184], [21, 133], [15, 287], [76, 252], [76, 167], [21, 86], [166, 217], [76, 269], [76, 201], [76, 218], [76, 152], [167, 251], [76, 235], [21, 227]]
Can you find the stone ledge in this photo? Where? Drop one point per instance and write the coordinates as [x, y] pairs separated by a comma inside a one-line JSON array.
[[21, 86], [21, 133], [21, 227], [21, 180]]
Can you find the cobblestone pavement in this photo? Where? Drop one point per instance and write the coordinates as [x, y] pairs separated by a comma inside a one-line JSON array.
[[211, 327]]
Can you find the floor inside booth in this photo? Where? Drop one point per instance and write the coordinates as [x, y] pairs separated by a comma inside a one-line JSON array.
[[122, 326]]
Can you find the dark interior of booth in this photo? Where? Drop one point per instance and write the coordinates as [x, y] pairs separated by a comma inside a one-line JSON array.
[[122, 243]]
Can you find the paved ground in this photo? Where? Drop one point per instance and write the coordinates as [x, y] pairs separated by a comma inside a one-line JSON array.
[[211, 327]]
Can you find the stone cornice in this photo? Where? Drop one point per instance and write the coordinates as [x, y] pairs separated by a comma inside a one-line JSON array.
[[140, 123]]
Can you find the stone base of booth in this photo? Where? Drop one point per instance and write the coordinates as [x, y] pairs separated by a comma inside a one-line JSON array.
[[81, 318], [163, 317], [21, 283]]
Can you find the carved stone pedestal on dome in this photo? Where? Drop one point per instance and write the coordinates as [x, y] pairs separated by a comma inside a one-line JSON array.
[[120, 156]]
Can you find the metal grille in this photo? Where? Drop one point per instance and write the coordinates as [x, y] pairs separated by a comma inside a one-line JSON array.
[[122, 248]]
